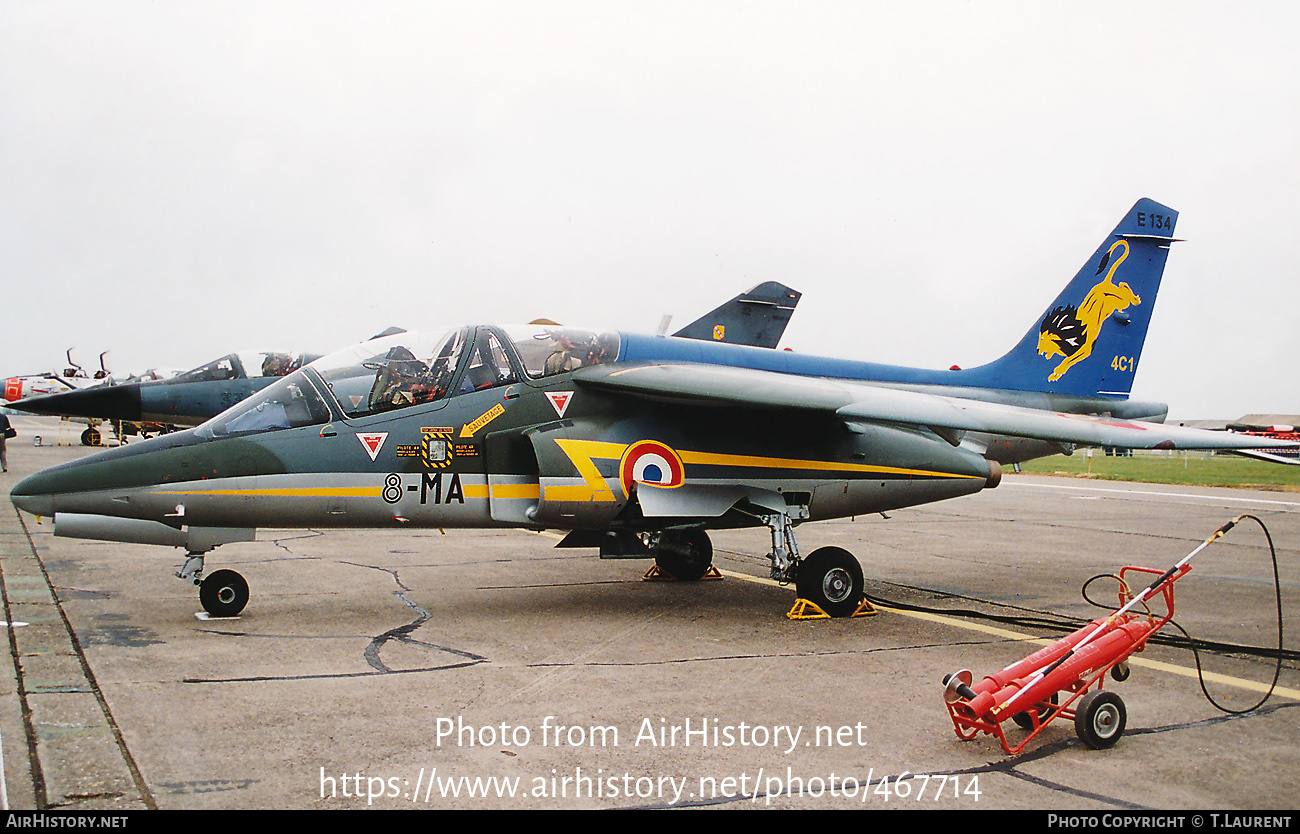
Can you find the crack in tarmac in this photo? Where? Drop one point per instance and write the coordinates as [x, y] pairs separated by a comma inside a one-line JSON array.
[[403, 633]]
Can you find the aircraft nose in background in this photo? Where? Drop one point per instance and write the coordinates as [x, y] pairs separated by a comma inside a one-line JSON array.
[[111, 402]]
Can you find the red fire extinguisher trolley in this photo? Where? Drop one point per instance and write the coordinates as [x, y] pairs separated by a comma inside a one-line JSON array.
[[1065, 679]]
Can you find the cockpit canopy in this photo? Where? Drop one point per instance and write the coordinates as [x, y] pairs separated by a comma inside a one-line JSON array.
[[415, 368], [248, 364], [409, 369]]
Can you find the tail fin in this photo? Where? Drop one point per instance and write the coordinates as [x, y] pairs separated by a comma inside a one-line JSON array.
[[1088, 341], [756, 318]]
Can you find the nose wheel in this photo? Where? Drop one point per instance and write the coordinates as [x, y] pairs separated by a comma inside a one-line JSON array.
[[224, 594]]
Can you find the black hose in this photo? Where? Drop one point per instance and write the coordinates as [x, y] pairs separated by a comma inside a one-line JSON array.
[[1197, 646]]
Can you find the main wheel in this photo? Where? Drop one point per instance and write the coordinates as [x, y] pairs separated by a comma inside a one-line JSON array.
[[91, 437], [1100, 719], [686, 554], [224, 593], [832, 579]]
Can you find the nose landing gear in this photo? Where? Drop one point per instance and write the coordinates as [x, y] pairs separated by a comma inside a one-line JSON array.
[[223, 594]]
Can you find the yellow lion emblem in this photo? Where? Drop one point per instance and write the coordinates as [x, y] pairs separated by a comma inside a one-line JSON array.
[[1071, 333]]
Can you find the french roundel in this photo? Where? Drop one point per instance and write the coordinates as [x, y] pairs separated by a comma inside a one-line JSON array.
[[650, 462]]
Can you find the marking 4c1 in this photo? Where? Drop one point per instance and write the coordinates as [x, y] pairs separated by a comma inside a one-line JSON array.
[[430, 483]]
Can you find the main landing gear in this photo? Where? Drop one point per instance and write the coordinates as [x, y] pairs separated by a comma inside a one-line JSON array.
[[686, 555], [830, 577], [223, 594]]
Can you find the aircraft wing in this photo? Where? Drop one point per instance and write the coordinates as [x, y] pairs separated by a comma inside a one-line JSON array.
[[727, 386]]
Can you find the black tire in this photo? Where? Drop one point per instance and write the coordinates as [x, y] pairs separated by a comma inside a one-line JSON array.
[[1120, 671], [224, 594], [686, 554], [831, 578], [1100, 719], [91, 437], [1025, 721]]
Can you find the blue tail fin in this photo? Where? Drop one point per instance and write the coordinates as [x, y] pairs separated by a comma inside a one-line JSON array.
[[757, 317], [1088, 341]]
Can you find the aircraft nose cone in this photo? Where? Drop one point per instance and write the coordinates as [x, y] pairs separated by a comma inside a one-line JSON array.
[[33, 495], [68, 487], [110, 402]]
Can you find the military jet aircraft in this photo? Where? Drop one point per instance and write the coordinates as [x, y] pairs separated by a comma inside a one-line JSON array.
[[186, 399], [636, 445], [756, 317], [72, 377]]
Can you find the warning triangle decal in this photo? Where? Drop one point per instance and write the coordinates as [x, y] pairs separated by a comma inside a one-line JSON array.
[[373, 442], [559, 400]]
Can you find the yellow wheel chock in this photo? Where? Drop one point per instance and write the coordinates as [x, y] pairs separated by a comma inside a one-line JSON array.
[[807, 610], [658, 574]]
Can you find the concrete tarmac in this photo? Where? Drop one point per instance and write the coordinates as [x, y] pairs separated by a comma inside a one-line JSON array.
[[487, 669]]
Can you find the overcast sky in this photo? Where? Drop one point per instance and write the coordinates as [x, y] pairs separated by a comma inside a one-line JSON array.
[[179, 180]]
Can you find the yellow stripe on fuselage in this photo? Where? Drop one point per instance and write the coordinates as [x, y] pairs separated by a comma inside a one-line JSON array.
[[500, 491], [294, 492], [584, 453], [752, 461], [504, 492]]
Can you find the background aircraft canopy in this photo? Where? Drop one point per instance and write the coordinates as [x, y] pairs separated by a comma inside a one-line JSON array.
[[248, 364], [289, 403]]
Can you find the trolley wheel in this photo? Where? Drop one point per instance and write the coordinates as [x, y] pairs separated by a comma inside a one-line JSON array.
[[832, 578], [1026, 722], [1100, 719], [1120, 671], [224, 593]]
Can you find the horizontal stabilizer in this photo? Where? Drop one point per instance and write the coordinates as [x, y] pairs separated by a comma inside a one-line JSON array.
[[1258, 454]]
